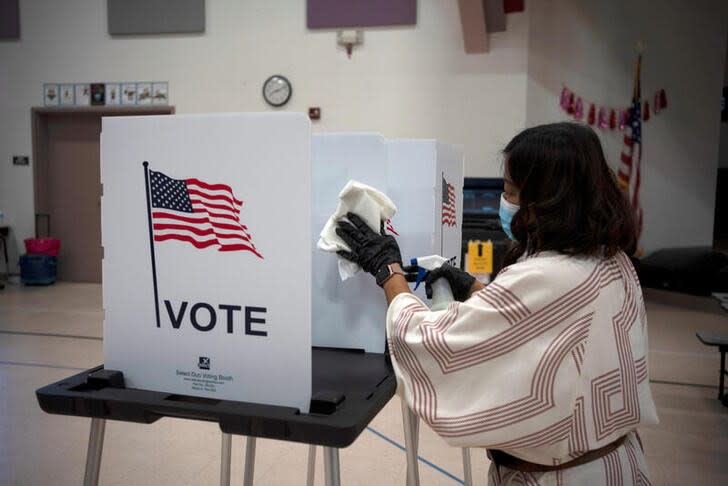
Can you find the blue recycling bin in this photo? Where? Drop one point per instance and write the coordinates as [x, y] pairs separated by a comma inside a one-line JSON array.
[[36, 269]]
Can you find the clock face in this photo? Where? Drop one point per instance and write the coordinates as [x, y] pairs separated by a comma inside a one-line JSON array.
[[277, 90]]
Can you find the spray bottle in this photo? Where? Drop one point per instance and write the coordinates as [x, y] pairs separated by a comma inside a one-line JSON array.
[[441, 291]]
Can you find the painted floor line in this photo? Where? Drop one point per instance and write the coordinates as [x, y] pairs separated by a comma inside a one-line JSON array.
[[420, 458], [40, 365], [682, 383], [47, 334]]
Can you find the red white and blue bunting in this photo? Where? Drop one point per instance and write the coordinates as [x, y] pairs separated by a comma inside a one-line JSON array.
[[606, 117]]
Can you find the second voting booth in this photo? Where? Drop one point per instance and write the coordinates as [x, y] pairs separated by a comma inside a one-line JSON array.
[[212, 285], [424, 179]]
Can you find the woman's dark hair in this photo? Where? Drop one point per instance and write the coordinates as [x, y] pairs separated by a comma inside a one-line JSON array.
[[569, 198]]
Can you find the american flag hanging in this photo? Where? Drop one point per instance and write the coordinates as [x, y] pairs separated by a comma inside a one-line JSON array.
[[449, 216], [628, 175], [201, 214]]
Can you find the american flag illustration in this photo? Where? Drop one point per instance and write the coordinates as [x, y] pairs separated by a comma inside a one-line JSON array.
[[201, 214], [628, 175], [388, 226], [449, 216]]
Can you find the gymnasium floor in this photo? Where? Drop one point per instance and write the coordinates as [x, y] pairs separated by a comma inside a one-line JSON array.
[[48, 333]]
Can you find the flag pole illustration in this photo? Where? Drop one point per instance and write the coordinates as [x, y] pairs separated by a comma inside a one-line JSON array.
[[195, 212], [151, 240]]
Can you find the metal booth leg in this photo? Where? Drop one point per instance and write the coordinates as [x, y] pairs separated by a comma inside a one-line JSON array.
[[249, 461], [311, 472], [93, 455], [467, 467], [722, 372], [331, 466], [225, 454], [411, 441]]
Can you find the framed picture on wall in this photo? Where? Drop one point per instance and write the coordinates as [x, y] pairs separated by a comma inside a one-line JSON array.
[[98, 96], [67, 94], [113, 93], [128, 94], [144, 93], [50, 95], [83, 94], [160, 93]]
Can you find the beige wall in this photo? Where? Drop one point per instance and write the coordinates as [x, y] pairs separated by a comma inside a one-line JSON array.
[[406, 82], [591, 46], [403, 82]]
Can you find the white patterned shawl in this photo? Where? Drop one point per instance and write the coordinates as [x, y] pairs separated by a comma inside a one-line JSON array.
[[547, 362]]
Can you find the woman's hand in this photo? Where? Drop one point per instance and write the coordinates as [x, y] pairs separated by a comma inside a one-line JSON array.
[[462, 283], [372, 251]]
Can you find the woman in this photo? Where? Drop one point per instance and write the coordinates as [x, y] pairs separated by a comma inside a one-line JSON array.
[[546, 367]]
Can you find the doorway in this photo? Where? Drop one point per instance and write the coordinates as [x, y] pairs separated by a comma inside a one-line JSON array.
[[67, 182]]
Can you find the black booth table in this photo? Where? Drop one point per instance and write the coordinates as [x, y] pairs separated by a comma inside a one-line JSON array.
[[349, 389]]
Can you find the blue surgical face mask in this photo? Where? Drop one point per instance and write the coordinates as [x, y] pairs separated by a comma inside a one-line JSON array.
[[506, 212]]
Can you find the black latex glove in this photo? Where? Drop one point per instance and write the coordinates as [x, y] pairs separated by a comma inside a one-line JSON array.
[[369, 249], [460, 281], [411, 272]]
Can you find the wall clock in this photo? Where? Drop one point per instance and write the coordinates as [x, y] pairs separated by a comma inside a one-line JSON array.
[[277, 90]]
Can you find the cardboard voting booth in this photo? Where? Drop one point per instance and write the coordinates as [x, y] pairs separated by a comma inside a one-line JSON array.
[[206, 228], [426, 182], [424, 178], [213, 285]]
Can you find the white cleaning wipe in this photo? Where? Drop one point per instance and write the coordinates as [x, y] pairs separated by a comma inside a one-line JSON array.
[[371, 205]]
